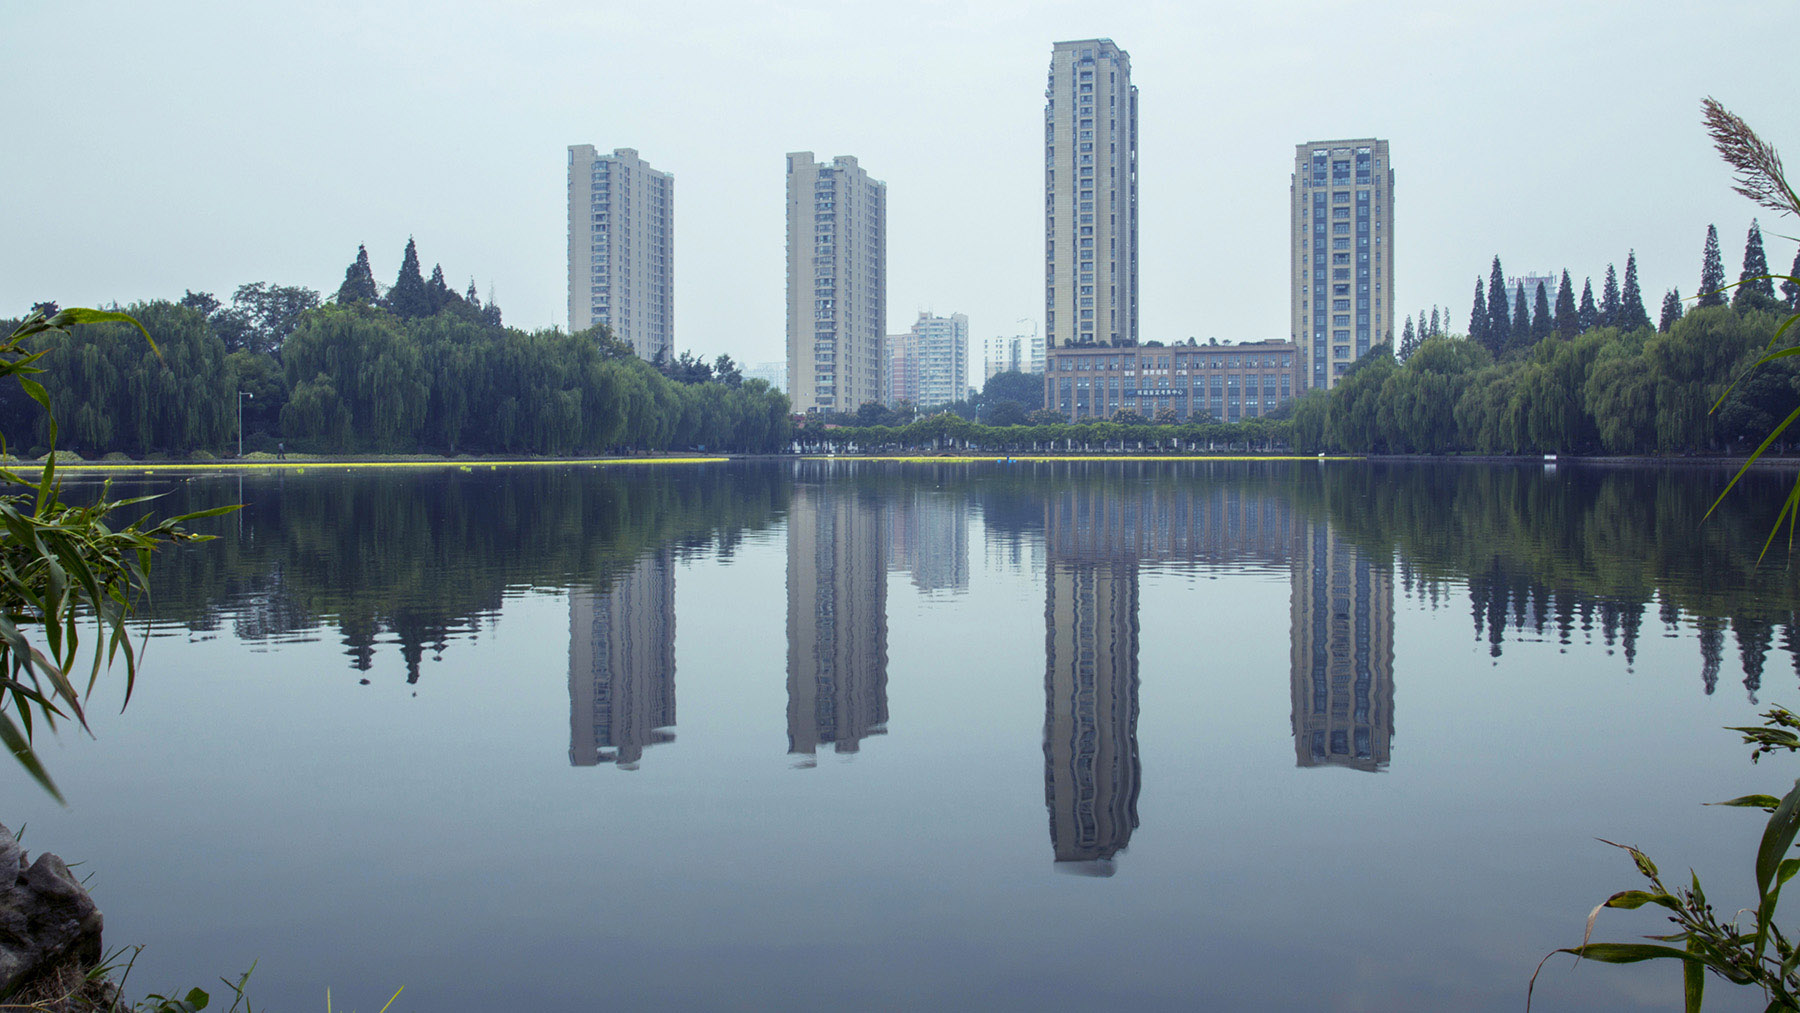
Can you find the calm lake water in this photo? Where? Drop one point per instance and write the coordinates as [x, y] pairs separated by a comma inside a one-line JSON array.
[[850, 735]]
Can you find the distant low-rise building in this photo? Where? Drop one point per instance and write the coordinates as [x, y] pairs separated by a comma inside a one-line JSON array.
[[1019, 353], [1228, 382]]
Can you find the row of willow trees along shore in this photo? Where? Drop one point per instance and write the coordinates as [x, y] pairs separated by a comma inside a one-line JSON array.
[[416, 369], [1593, 377]]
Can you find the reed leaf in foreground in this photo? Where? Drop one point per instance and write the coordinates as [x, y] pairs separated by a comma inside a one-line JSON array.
[[67, 572], [1757, 954]]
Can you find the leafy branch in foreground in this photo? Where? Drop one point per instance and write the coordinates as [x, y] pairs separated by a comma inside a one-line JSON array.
[[65, 568], [1759, 954], [1759, 174]]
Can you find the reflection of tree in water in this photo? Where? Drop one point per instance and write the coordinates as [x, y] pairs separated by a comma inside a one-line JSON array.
[[420, 559], [1584, 553]]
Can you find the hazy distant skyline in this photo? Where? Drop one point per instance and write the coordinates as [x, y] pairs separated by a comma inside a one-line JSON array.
[[207, 145]]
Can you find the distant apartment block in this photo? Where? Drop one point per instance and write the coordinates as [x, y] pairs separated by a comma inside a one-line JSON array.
[[1530, 283], [1090, 197], [773, 373], [1342, 239], [622, 248], [1227, 382], [836, 284], [1020, 353], [929, 365]]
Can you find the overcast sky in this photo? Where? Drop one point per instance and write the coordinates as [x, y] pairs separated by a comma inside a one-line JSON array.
[[152, 148]]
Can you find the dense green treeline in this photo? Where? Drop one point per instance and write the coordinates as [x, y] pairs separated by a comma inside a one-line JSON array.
[[419, 369], [1607, 390], [948, 431]]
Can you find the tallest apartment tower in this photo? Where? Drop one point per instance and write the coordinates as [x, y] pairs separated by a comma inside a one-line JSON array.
[[1090, 197]]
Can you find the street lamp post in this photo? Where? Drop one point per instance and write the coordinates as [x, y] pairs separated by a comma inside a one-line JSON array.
[[242, 394]]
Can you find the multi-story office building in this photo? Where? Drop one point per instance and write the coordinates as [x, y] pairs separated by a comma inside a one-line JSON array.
[[1090, 197], [1529, 283], [622, 665], [1342, 201], [1227, 382], [836, 284], [622, 248], [837, 617], [903, 368], [1020, 353]]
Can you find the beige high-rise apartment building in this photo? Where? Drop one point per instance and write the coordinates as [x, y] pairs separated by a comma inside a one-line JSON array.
[[836, 284], [622, 248], [1341, 196], [1090, 197]]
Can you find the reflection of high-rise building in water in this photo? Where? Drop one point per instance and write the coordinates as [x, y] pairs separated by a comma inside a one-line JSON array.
[[1091, 710], [836, 619], [928, 537], [622, 665], [1343, 654], [1091, 771]]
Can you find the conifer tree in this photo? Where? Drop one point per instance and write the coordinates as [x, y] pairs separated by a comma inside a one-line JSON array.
[[359, 280], [1521, 319], [1567, 325], [1671, 310], [437, 291], [1437, 329], [1609, 299], [1712, 271], [470, 297], [1632, 316], [1478, 316], [1588, 315], [1541, 326], [1754, 286], [1499, 320], [1790, 288], [408, 297], [1408, 341]]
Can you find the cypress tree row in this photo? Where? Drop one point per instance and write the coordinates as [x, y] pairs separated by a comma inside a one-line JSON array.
[[1499, 322], [408, 297], [1437, 330], [1712, 271], [1609, 299], [1588, 316], [1541, 326], [1790, 286], [1671, 311], [1754, 286], [1521, 319], [1478, 318], [359, 280], [1632, 315], [1567, 325]]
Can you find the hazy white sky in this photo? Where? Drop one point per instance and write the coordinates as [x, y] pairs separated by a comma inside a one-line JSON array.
[[153, 148]]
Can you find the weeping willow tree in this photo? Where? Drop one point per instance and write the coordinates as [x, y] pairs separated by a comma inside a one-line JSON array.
[[67, 571]]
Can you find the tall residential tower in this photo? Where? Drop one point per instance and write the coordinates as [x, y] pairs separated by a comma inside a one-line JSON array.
[[1090, 197], [1341, 197], [622, 248], [836, 284]]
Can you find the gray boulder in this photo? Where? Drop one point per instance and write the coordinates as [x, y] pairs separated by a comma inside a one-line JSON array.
[[46, 917]]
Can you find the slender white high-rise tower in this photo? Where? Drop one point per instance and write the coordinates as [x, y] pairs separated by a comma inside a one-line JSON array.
[[622, 248], [836, 284], [1090, 197]]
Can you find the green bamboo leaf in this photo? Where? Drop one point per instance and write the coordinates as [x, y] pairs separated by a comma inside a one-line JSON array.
[[1630, 900], [1751, 802], [1778, 837], [1630, 953], [78, 315], [1693, 982], [21, 750]]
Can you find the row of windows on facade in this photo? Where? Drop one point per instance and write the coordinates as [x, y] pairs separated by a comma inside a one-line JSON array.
[[1180, 363], [1270, 387]]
